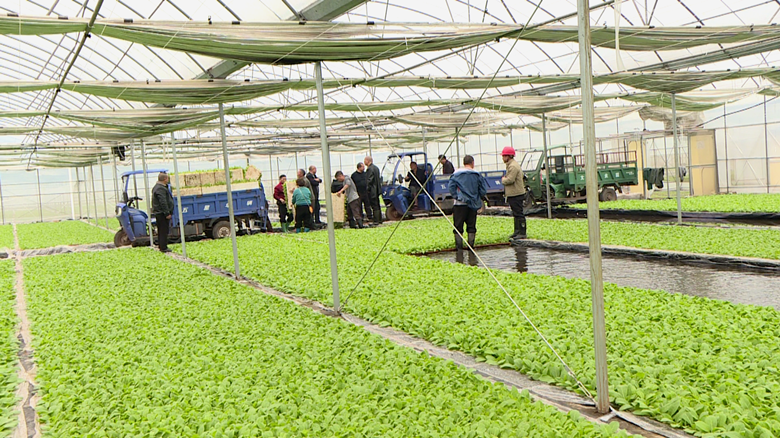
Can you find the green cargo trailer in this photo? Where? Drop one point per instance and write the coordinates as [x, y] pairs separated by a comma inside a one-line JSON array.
[[567, 175]]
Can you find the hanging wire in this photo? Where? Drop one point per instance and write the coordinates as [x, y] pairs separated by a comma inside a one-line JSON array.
[[568, 369]]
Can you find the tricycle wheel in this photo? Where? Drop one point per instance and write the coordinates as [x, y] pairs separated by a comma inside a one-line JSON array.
[[608, 194], [121, 239], [221, 229], [393, 214]]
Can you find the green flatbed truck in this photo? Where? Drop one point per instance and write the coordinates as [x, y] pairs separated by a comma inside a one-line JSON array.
[[567, 175]]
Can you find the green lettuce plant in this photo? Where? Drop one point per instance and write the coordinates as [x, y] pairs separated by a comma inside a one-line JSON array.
[[707, 366], [8, 348], [133, 343], [741, 203], [49, 234]]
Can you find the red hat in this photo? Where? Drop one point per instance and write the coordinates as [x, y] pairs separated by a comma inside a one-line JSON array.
[[508, 150]]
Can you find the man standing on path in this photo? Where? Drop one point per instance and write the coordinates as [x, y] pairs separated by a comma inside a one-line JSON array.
[[446, 165], [285, 217], [374, 185], [353, 200], [514, 191], [315, 181], [468, 187], [162, 209], [361, 183]]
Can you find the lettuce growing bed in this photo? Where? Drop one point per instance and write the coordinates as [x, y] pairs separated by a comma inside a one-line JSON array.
[[49, 234], [188, 353], [8, 348], [6, 236], [743, 203], [703, 365]]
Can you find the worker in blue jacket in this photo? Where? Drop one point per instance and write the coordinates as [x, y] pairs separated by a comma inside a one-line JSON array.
[[468, 188]]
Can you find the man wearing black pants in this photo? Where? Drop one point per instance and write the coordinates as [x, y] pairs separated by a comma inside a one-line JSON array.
[[315, 181], [374, 185], [162, 209], [361, 183], [468, 188], [514, 191]]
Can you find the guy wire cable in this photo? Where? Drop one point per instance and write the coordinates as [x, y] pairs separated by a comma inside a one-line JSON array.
[[569, 371]]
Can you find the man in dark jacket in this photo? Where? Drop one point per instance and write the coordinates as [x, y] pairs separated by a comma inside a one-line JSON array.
[[446, 165], [315, 181], [374, 186], [280, 195], [416, 178], [468, 187], [162, 209], [361, 183]]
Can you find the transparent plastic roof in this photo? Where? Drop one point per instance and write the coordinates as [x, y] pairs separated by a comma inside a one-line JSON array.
[[45, 58]]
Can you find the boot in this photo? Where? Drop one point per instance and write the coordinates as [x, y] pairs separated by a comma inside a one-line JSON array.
[[458, 242], [520, 230], [360, 224], [306, 230], [297, 230], [285, 227], [472, 239]]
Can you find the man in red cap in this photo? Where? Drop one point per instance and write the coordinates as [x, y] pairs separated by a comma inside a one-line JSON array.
[[514, 191]]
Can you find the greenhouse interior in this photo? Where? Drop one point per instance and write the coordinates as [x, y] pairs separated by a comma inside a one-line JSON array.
[[388, 218]]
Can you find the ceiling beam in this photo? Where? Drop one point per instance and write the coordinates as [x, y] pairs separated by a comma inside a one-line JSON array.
[[319, 10]]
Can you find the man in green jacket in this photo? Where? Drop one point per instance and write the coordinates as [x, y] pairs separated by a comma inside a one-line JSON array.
[[162, 209], [514, 191]]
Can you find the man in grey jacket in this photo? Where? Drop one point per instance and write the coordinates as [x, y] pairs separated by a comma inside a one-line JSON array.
[[162, 209], [374, 186], [514, 191]]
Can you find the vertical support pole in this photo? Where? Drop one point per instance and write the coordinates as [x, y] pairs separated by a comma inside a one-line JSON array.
[[690, 167], [334, 272], [278, 172], [103, 184], [726, 147], [40, 202], [546, 167], [457, 145], [78, 191], [296, 162], [86, 193], [132, 162], [114, 173], [666, 165], [94, 193], [271, 170], [370, 149], [147, 194], [182, 222], [766, 145], [511, 143], [676, 159], [425, 144], [231, 214], [70, 192], [594, 230], [642, 154]]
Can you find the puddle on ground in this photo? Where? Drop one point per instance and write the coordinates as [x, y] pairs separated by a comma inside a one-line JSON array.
[[716, 282]]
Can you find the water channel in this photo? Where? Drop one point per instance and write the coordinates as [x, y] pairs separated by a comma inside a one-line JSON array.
[[737, 285]]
